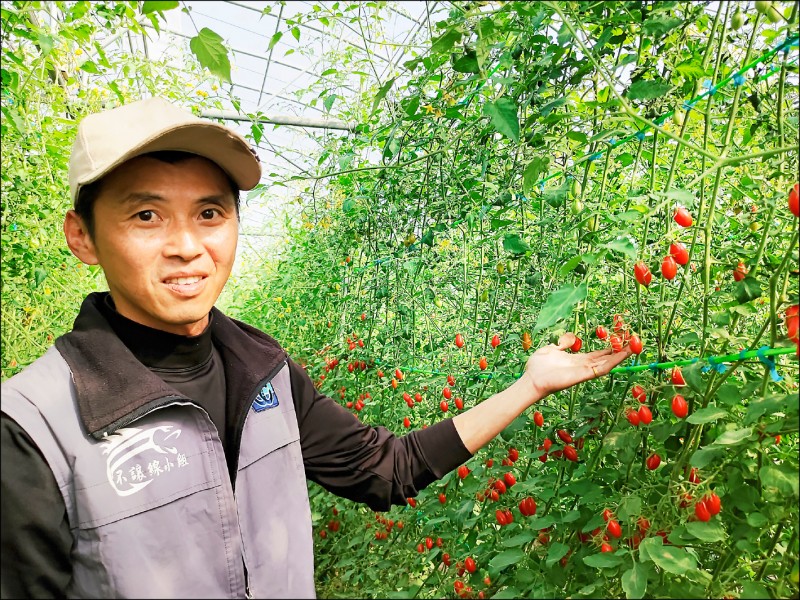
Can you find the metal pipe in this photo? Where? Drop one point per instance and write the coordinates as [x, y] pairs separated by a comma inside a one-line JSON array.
[[230, 115]]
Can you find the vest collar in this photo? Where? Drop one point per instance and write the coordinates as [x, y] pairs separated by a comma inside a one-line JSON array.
[[111, 385]]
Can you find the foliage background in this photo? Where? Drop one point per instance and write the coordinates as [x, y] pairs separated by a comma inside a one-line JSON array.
[[487, 190]]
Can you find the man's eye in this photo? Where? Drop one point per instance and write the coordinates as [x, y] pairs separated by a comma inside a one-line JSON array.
[[145, 215], [209, 213]]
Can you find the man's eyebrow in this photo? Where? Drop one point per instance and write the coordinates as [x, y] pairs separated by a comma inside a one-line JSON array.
[[134, 198]]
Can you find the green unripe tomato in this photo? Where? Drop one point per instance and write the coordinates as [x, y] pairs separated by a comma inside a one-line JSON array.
[[576, 207], [576, 188], [773, 15], [737, 20], [484, 295], [763, 6], [755, 226], [677, 117], [593, 223], [501, 268], [438, 302]]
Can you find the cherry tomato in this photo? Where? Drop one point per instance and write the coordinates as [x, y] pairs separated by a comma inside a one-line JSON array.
[[653, 461], [500, 516], [642, 274], [394, 383], [740, 272], [679, 407], [447, 393], [463, 471], [442, 498], [794, 200], [398, 374], [459, 340], [793, 322], [527, 507], [469, 564], [713, 504], [616, 343], [443, 405], [614, 528], [633, 417], [495, 341], [693, 476], [683, 218], [643, 524], [636, 344], [509, 479], [406, 422], [459, 404], [701, 511], [676, 377], [639, 394], [669, 268], [513, 454], [483, 363], [679, 252], [547, 444], [607, 515], [605, 547], [451, 380], [570, 453], [446, 559], [538, 418], [601, 332], [645, 415], [499, 486], [411, 502], [526, 341], [417, 397], [428, 543], [576, 347], [565, 437]]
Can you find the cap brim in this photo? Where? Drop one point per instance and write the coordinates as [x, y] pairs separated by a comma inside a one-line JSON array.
[[209, 140]]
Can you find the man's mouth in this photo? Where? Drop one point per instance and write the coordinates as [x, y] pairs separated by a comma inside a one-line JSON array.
[[183, 280]]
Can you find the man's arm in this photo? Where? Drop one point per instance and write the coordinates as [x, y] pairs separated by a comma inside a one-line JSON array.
[[34, 532], [548, 370]]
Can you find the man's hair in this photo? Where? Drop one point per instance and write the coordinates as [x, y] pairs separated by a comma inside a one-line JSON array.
[[88, 194]]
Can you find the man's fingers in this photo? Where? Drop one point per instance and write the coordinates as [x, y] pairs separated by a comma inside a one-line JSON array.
[[566, 340], [606, 363], [599, 353]]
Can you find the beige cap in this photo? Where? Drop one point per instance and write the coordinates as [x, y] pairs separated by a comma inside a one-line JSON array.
[[107, 139]]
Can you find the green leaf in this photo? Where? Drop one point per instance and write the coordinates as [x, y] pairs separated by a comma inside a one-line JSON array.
[[747, 289], [296, 33], [781, 477], [757, 520], [150, 6], [712, 531], [669, 558], [468, 63], [90, 67], [381, 94], [503, 113], [445, 41], [506, 558], [518, 540], [603, 560], [276, 37], [707, 455], [428, 238], [733, 437], [532, 173], [546, 109], [634, 581], [648, 90], [729, 394], [631, 506], [39, 275], [328, 102], [690, 69], [659, 25], [556, 552], [559, 305], [514, 244], [327, 72], [754, 590], [508, 593], [623, 245], [706, 415], [570, 265], [207, 46], [45, 43]]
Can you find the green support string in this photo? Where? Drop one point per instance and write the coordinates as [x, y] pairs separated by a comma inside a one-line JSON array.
[[761, 354]]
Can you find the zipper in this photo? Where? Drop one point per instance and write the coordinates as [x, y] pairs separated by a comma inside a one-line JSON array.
[[237, 440]]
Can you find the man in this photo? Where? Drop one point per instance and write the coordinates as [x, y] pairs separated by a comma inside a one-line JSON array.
[[160, 448]]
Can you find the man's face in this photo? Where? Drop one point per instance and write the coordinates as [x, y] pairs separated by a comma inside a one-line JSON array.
[[165, 236]]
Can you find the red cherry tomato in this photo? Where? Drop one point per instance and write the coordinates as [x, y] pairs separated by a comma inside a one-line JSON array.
[[713, 504], [601, 332], [607, 515], [683, 218], [653, 461], [398, 374], [495, 341], [443, 405], [633, 417], [642, 274], [794, 200], [451, 380], [538, 418], [459, 404], [616, 343], [406, 422], [701, 511], [679, 407], [565, 437], [509, 479], [679, 252], [636, 344], [645, 415], [614, 528], [676, 377], [639, 394], [442, 498], [463, 471], [513, 454], [570, 453], [459, 341], [606, 547], [428, 543], [669, 268], [483, 363], [576, 347], [740, 272], [469, 564], [447, 393]]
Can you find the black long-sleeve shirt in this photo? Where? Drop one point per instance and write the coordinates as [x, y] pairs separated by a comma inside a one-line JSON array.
[[339, 452]]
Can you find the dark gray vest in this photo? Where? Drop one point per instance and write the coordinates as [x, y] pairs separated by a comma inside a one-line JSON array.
[[151, 507]]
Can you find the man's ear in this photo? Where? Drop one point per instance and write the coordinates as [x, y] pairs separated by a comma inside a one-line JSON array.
[[78, 238]]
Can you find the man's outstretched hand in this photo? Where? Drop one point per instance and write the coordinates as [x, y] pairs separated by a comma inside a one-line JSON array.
[[552, 369]]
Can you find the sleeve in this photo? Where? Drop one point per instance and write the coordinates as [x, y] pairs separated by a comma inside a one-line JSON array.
[[369, 464], [34, 534]]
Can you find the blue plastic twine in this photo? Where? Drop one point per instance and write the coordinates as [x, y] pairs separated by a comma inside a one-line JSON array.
[[738, 79], [714, 364], [769, 362]]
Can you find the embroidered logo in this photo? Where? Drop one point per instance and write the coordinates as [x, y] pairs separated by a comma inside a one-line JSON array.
[[134, 458], [267, 398]]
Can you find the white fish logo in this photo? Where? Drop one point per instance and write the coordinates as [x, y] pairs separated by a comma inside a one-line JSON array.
[[126, 443]]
